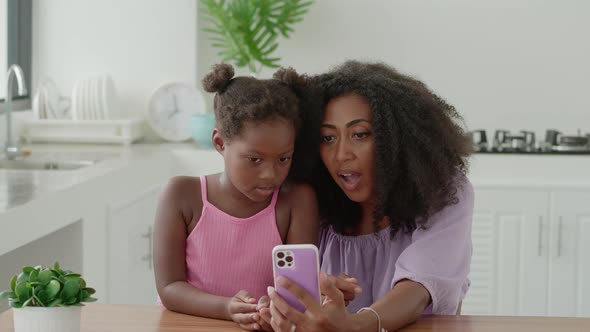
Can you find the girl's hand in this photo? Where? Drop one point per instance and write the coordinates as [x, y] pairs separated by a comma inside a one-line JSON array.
[[263, 308], [331, 315], [241, 308]]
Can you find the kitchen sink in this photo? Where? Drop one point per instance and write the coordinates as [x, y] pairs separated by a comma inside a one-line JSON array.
[[41, 165]]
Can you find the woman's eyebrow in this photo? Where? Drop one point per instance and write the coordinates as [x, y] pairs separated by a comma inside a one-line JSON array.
[[348, 125], [353, 122]]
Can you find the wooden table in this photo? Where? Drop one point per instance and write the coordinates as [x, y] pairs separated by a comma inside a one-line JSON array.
[[135, 318]]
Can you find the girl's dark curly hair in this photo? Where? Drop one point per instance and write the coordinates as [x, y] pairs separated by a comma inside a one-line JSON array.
[[420, 149], [247, 99]]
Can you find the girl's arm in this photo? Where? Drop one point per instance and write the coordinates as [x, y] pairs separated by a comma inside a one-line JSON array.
[[175, 210], [304, 221]]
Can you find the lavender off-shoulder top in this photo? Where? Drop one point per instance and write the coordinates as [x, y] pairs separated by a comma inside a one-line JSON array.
[[438, 257]]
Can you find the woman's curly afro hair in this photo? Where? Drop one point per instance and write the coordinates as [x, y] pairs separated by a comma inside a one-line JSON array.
[[420, 149]]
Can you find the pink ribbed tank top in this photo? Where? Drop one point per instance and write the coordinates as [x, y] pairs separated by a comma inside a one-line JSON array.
[[226, 254]]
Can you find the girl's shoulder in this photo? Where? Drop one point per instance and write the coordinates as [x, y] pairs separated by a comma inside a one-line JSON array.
[[181, 185], [182, 191]]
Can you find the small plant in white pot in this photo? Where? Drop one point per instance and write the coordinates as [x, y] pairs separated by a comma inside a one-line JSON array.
[[47, 299]]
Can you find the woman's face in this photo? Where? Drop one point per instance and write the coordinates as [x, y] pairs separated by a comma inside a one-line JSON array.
[[348, 148]]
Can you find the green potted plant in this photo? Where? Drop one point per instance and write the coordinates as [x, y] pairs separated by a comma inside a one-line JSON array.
[[47, 299], [246, 31]]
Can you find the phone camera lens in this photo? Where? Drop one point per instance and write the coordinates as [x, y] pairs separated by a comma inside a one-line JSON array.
[[280, 254], [281, 263], [289, 259]]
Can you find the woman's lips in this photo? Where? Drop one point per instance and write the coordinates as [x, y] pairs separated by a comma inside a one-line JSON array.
[[350, 180]]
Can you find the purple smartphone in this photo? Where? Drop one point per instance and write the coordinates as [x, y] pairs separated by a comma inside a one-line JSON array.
[[299, 263]]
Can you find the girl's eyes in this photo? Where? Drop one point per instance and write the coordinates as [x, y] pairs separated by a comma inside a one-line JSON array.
[[257, 160]]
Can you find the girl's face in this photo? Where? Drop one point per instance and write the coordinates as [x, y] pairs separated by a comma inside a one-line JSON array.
[[258, 160], [347, 148]]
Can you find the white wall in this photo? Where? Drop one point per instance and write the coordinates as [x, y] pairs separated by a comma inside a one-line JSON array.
[[503, 64], [143, 44], [3, 50], [511, 64]]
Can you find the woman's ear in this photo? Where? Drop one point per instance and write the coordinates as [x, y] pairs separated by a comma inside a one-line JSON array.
[[218, 141]]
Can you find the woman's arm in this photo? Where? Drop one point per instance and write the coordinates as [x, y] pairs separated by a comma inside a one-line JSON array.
[[174, 213], [400, 306]]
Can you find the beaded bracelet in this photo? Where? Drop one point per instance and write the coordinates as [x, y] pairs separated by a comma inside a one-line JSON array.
[[379, 329]]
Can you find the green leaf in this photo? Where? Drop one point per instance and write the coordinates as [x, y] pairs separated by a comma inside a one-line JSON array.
[[33, 275], [245, 31], [13, 282], [22, 277], [28, 269], [54, 303], [71, 289], [53, 288], [90, 299], [28, 302], [39, 301], [15, 304], [45, 276], [7, 294], [57, 272], [56, 266], [23, 291]]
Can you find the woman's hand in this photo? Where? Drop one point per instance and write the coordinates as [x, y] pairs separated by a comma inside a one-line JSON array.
[[241, 308], [331, 315], [347, 285]]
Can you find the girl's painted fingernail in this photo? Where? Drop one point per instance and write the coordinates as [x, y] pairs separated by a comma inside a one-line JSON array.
[[270, 290], [256, 327]]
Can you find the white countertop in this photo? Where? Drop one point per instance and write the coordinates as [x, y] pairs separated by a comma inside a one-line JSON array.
[[20, 187]]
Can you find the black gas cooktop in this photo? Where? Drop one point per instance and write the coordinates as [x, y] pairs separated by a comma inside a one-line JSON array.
[[524, 142]]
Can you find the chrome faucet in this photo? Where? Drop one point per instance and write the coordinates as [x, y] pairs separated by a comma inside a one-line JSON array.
[[12, 149]]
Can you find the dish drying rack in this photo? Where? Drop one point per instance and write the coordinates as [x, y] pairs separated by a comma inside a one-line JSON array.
[[124, 131], [86, 117]]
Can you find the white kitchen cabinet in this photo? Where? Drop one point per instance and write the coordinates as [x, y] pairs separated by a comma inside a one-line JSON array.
[[131, 274], [509, 260], [569, 254], [528, 253]]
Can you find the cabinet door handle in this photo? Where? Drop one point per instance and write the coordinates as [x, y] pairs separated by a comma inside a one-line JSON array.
[[540, 233], [559, 222], [148, 257]]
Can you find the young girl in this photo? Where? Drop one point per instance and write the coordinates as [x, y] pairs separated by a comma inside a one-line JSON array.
[[214, 234], [395, 202]]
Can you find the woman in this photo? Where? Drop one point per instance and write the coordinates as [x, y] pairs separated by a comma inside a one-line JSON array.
[[395, 204]]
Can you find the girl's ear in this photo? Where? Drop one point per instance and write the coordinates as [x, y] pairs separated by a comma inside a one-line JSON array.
[[218, 141]]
